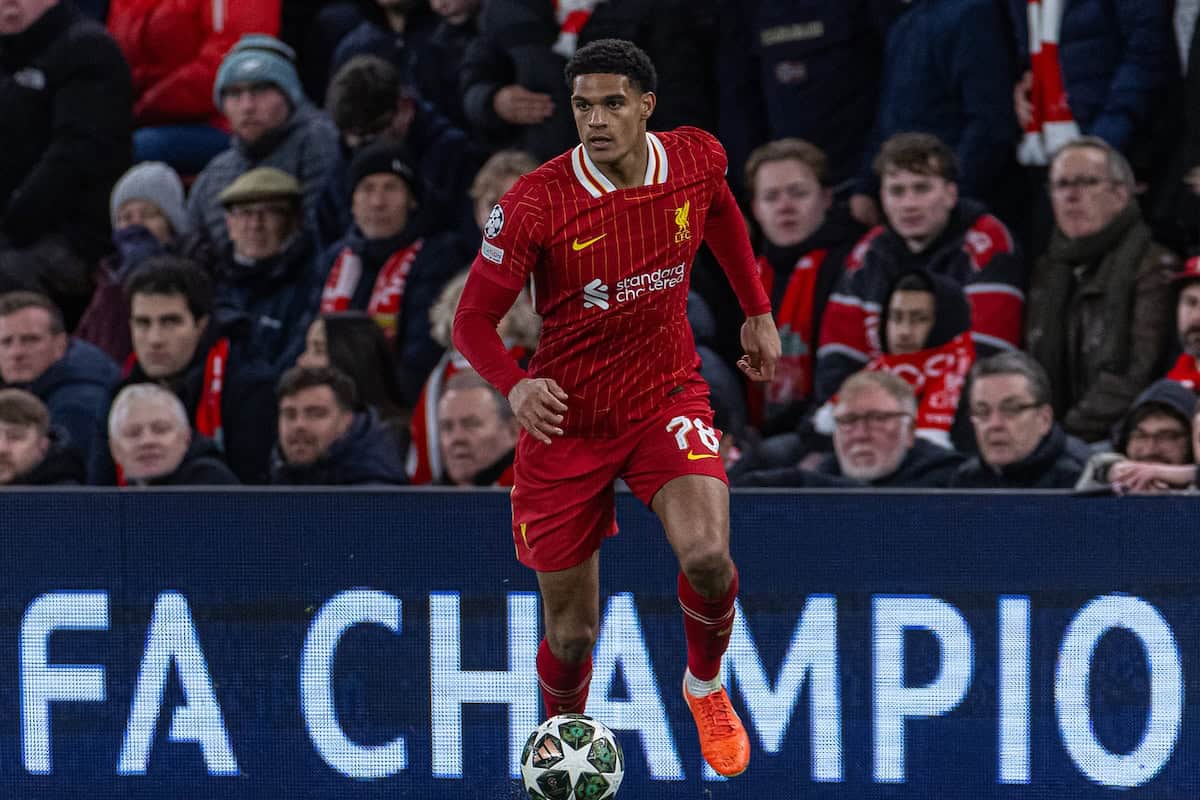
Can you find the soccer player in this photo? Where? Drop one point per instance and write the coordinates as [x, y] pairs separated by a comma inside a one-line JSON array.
[[607, 233]]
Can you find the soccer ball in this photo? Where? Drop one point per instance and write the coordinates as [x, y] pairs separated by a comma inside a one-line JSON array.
[[572, 757]]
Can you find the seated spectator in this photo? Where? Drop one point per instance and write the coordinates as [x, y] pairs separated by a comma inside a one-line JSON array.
[[207, 363], [388, 264], [73, 378], [65, 140], [519, 328], [804, 248], [873, 443], [494, 179], [369, 101], [273, 125], [148, 219], [1187, 325], [351, 342], [268, 272], [323, 441], [1158, 430], [32, 453], [477, 433], [1020, 445], [152, 444], [1098, 316], [930, 228], [174, 50]]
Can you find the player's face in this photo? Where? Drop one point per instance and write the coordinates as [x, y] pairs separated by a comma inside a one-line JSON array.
[[789, 202], [874, 432], [1187, 319], [471, 433], [310, 421], [917, 205], [1008, 424], [21, 449], [909, 321], [610, 115]]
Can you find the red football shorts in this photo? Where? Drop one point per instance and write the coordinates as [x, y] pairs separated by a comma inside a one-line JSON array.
[[563, 497]]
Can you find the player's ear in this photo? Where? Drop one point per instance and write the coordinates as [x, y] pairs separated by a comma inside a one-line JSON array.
[[649, 101]]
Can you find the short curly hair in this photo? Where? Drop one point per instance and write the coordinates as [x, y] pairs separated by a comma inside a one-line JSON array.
[[613, 57]]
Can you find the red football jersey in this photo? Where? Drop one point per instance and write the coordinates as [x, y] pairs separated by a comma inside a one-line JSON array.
[[610, 271]]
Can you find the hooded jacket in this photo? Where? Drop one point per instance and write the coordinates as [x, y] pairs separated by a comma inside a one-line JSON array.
[[975, 250], [201, 466], [365, 454], [305, 146], [76, 390], [1055, 463], [924, 465], [1167, 395]]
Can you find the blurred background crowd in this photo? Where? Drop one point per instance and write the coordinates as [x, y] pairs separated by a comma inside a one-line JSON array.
[[233, 234]]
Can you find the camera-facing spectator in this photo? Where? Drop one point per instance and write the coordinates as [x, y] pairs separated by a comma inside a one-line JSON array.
[[874, 442], [324, 440], [928, 227], [208, 364], [174, 50], [1099, 318], [73, 378], [1020, 445], [477, 433], [152, 443], [273, 125], [149, 218], [66, 106], [32, 453], [268, 273], [1187, 325]]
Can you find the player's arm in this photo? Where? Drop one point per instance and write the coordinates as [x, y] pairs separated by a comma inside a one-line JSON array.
[[725, 232], [537, 403]]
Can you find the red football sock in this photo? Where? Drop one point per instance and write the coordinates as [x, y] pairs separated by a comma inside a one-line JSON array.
[[707, 624], [564, 686]]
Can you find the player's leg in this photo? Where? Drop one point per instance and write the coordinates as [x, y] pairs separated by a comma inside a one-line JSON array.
[[571, 608]]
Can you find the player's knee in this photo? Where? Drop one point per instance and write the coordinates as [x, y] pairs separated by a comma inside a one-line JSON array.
[[708, 568], [573, 644]]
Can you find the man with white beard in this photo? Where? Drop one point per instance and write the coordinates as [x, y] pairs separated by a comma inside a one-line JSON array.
[[873, 441]]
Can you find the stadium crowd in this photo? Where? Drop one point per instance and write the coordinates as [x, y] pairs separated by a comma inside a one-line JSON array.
[[233, 234]]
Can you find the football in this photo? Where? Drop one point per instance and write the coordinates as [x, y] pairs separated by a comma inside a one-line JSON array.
[[572, 757]]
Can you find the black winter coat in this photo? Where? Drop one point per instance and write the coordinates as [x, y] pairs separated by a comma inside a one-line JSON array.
[[1055, 463], [367, 453], [924, 466]]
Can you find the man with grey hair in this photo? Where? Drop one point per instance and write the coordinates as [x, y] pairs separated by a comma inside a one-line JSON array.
[[1020, 445], [1099, 310], [874, 442], [477, 432], [152, 443]]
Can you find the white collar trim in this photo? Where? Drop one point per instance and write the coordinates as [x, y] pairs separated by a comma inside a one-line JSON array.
[[596, 184]]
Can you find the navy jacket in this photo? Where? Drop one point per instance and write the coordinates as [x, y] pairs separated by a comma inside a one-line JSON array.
[[76, 391], [1116, 55], [61, 466], [924, 466], [948, 70], [1055, 463], [366, 453]]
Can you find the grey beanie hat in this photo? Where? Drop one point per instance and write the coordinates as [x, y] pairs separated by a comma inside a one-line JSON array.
[[258, 58], [157, 183]]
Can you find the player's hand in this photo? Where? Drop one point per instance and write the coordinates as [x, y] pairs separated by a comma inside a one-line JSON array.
[[539, 405], [760, 341], [516, 105]]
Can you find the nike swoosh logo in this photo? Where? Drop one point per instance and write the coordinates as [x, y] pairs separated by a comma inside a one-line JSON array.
[[697, 456], [578, 245]]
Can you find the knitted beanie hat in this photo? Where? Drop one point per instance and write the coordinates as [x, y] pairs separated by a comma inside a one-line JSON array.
[[154, 182], [257, 58]]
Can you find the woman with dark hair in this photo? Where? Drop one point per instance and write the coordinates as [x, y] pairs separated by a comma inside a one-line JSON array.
[[354, 343]]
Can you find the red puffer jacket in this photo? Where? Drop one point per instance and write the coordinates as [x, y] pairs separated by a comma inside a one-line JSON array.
[[174, 48]]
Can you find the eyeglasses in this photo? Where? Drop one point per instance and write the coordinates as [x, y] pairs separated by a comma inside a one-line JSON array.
[[1158, 437], [1007, 411], [874, 420], [1083, 182]]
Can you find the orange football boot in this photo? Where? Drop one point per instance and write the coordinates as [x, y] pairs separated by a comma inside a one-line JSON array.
[[723, 740]]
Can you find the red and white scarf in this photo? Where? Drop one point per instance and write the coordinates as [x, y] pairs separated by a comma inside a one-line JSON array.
[[387, 295], [1185, 372], [571, 16], [937, 376], [1051, 124], [794, 374]]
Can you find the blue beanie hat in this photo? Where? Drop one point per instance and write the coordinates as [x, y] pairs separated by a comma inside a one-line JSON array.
[[260, 59]]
